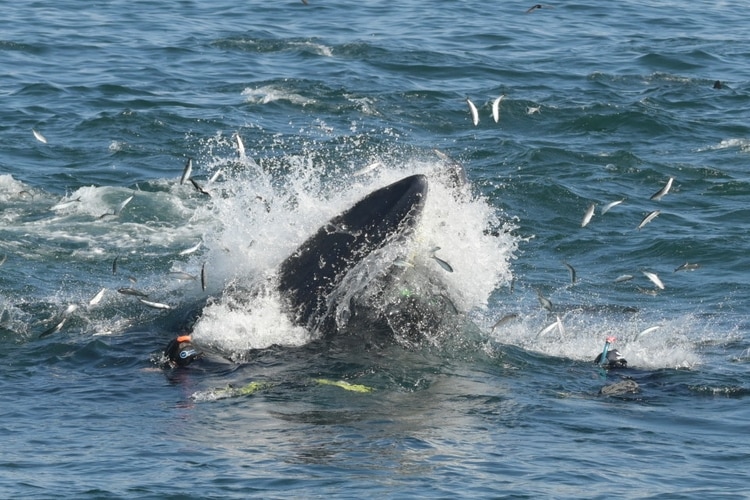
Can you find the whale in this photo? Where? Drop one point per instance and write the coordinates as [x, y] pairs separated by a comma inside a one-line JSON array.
[[311, 278]]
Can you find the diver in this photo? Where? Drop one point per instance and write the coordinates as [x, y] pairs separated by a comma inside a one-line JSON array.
[[610, 358], [180, 352]]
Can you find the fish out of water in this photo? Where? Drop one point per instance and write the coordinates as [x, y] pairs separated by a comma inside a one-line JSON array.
[[572, 271], [648, 218], [654, 279], [613, 204], [97, 298], [537, 7], [623, 277], [369, 168], [504, 319], [154, 305], [240, 145], [191, 249], [588, 215], [203, 276], [114, 265], [496, 108], [646, 331], [198, 187], [544, 301], [660, 193], [187, 171], [124, 204], [441, 262], [474, 112], [3, 259], [687, 267], [132, 291], [66, 204], [38, 136]]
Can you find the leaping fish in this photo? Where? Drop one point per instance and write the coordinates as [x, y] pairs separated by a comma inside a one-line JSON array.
[[504, 319], [187, 171], [39, 137], [654, 279], [588, 215], [687, 267], [606, 207], [97, 298], [496, 108], [572, 272], [648, 218], [440, 261], [474, 112], [660, 193], [240, 145], [155, 305]]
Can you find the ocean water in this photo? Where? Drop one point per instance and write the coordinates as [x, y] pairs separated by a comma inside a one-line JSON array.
[[331, 100]]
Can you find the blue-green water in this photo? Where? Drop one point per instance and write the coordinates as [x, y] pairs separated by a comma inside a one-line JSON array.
[[603, 102]]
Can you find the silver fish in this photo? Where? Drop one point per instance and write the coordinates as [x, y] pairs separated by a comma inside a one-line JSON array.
[[660, 193], [624, 277], [66, 204], [198, 187], [557, 324], [654, 279], [572, 272], [39, 137], [187, 171], [588, 215], [191, 249], [54, 329], [443, 264], [646, 331], [203, 276], [369, 168], [496, 108], [687, 267], [132, 291], [474, 112], [505, 319], [3, 259], [124, 204], [240, 146], [155, 305], [606, 207], [544, 301], [181, 275], [97, 298], [214, 177], [648, 218]]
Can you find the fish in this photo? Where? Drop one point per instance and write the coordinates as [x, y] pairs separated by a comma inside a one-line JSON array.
[[538, 6], [369, 168], [132, 291], [544, 301], [474, 112], [198, 187], [66, 204], [505, 319], [191, 249], [606, 207], [557, 324], [3, 259], [684, 267], [214, 177], [535, 109], [648, 218], [588, 215], [496, 108], [124, 204], [203, 276], [54, 329], [646, 331], [155, 305], [240, 145], [187, 171], [39, 137], [654, 279], [97, 298], [660, 193], [623, 277], [442, 263], [572, 272], [114, 265], [181, 275]]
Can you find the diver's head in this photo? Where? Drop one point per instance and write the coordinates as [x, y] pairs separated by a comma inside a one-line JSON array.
[[614, 359], [181, 351]]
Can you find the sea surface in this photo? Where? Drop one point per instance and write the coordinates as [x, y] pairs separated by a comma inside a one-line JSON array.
[[290, 112]]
